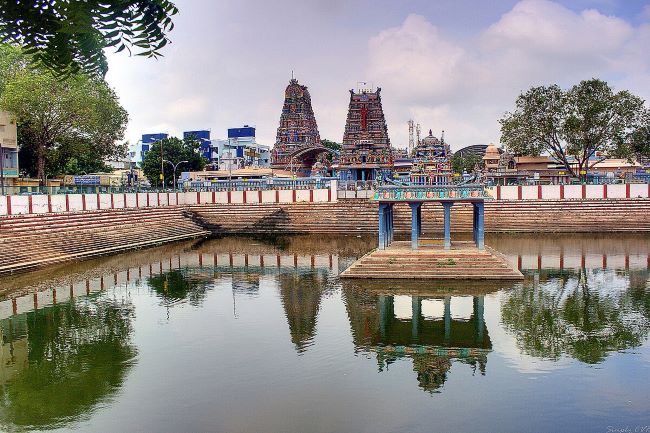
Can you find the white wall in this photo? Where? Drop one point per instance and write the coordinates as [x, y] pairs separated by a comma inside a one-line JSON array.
[[39, 204], [572, 191], [550, 192]]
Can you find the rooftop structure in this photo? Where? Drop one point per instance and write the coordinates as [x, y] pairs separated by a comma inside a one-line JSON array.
[[366, 153]]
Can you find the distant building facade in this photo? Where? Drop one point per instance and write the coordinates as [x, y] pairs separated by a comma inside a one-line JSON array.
[[138, 150], [8, 146], [239, 150]]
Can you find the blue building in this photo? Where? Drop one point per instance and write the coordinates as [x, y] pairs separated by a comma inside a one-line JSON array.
[[204, 137], [138, 150]]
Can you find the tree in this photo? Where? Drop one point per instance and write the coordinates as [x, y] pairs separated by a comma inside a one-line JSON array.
[[174, 150], [465, 163], [589, 120], [51, 111], [69, 36], [331, 144]]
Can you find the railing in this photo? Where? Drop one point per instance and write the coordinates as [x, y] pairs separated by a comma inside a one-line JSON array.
[[261, 184], [440, 192]]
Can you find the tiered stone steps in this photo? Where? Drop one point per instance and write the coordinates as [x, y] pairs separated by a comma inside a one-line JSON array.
[[360, 216], [35, 240], [462, 262]]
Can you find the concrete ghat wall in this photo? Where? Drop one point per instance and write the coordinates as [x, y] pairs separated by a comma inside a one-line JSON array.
[[360, 216]]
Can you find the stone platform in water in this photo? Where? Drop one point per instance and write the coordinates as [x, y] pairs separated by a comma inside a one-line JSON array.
[[463, 261]]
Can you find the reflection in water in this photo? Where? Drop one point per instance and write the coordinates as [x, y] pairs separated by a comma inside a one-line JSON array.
[[431, 342], [301, 294], [583, 314], [178, 286], [64, 361]]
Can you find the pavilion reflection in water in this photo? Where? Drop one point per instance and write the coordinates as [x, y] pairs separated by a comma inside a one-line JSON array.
[[432, 343]]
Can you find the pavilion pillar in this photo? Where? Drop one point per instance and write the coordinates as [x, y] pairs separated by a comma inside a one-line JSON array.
[[382, 226], [479, 225], [447, 211], [415, 224], [420, 220], [479, 307], [447, 318], [416, 312], [391, 224]]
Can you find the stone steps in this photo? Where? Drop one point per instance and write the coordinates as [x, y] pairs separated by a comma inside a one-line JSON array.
[[360, 216], [46, 239]]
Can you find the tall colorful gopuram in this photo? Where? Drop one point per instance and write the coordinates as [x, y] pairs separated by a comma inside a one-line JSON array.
[[297, 130], [366, 153]]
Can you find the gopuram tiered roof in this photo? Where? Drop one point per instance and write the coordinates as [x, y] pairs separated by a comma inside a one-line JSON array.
[[297, 130], [366, 153]]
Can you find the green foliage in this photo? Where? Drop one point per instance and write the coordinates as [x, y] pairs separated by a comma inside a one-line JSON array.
[[588, 120], [84, 345], [79, 112], [174, 150], [460, 163], [175, 286], [69, 36], [578, 320], [331, 144]]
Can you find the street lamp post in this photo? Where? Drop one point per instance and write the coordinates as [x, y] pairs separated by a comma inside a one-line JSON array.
[[174, 166]]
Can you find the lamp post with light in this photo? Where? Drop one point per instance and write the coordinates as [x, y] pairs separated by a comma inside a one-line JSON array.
[[174, 166]]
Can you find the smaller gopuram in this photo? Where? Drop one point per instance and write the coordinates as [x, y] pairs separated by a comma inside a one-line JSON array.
[[297, 133], [366, 153], [432, 162]]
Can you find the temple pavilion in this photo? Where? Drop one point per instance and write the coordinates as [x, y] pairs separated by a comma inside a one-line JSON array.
[[366, 153]]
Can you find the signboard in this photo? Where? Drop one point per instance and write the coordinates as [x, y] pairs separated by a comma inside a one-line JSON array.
[[86, 180]]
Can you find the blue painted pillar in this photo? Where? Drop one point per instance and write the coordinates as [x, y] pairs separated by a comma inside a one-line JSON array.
[[479, 225], [447, 318], [420, 220], [415, 224], [391, 224], [382, 226], [363, 175], [447, 211], [474, 222]]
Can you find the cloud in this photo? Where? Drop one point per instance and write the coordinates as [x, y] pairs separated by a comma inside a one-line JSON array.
[[231, 60], [465, 86]]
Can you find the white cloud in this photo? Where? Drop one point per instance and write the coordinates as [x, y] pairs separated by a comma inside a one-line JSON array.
[[230, 62], [464, 86]]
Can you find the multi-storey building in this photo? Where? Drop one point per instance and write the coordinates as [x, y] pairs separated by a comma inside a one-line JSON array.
[[8, 149]]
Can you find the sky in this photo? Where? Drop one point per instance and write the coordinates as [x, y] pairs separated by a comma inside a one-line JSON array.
[[452, 65]]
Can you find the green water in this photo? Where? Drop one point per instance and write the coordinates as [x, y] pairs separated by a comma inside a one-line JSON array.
[[248, 335]]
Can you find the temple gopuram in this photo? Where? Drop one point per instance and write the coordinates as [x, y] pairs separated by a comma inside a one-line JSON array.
[[297, 145], [432, 162], [366, 153]]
